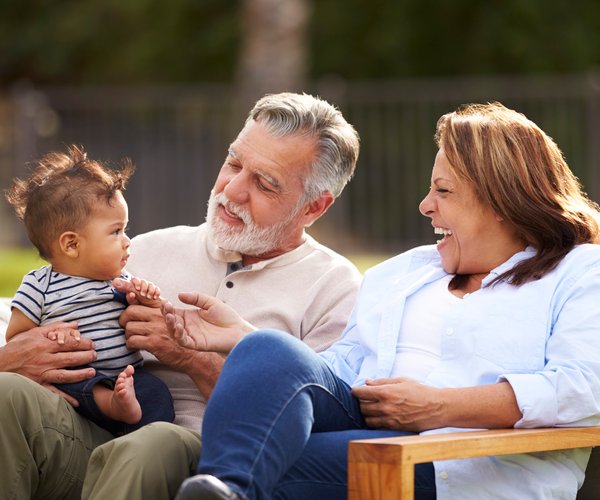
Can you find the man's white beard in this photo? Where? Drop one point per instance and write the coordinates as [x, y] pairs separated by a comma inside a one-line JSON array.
[[251, 239]]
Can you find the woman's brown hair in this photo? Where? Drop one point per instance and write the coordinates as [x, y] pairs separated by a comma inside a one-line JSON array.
[[519, 171]]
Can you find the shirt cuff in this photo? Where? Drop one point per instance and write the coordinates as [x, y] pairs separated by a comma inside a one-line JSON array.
[[537, 399]]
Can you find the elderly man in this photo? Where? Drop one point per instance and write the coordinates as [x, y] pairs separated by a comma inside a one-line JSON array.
[[283, 171]]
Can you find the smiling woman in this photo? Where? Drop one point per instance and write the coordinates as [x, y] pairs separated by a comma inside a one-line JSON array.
[[519, 174], [476, 240]]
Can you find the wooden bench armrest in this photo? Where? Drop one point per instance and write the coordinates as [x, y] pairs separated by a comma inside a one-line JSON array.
[[381, 469]]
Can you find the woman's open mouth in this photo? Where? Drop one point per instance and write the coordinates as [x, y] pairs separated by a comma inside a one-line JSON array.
[[445, 232]]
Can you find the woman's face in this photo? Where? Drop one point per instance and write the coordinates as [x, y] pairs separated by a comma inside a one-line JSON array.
[[474, 239]]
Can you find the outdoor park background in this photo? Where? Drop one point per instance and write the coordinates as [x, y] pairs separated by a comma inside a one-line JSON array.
[[168, 85]]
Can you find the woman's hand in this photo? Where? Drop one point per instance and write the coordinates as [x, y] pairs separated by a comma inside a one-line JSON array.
[[403, 404], [212, 326], [400, 404]]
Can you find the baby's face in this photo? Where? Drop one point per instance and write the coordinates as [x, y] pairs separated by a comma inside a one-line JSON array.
[[104, 246]]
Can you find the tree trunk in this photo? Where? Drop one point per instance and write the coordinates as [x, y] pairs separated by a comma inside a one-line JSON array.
[[274, 50]]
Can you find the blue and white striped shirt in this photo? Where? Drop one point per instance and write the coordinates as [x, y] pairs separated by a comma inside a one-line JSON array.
[[46, 296]]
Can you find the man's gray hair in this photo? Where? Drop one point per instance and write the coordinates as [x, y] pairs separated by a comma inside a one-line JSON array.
[[338, 143]]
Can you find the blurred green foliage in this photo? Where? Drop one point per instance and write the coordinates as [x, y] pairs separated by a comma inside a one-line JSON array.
[[387, 38], [14, 263], [116, 41]]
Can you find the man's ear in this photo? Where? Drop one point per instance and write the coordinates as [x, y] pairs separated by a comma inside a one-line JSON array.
[[317, 207], [68, 243]]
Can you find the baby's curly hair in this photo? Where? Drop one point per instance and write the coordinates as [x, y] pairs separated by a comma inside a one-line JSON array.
[[61, 193]]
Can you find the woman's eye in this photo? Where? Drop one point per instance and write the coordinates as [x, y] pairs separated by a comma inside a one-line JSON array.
[[442, 191]]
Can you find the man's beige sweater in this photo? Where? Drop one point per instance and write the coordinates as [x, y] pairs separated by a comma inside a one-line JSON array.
[[308, 292]]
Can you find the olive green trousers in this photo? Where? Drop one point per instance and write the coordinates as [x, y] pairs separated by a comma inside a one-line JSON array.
[[45, 446], [44, 443], [148, 464]]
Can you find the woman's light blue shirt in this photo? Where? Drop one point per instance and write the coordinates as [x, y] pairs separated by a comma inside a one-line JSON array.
[[543, 337]]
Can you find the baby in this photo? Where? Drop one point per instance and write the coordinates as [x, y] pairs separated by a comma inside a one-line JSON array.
[[76, 216]]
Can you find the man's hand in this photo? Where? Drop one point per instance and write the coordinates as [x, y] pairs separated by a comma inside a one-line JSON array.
[[37, 354], [400, 404], [146, 330], [212, 326]]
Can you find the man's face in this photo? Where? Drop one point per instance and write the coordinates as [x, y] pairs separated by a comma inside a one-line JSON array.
[[254, 206]]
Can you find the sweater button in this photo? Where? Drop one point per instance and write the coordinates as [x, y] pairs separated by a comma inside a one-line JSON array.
[[229, 284]]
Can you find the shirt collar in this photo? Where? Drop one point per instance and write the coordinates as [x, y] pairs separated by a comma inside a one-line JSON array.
[[525, 254]]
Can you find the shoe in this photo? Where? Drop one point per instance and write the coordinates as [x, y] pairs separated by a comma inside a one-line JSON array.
[[205, 487]]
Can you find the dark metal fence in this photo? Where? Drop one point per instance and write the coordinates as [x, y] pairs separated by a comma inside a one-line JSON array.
[[178, 137]]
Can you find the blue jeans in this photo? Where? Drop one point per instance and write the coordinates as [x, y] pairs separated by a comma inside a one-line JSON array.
[[278, 423], [151, 392]]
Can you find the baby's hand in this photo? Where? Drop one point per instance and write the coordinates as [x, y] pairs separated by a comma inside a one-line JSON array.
[[139, 291], [145, 290], [61, 335]]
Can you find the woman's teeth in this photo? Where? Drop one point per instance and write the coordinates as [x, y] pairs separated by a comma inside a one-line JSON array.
[[441, 230]]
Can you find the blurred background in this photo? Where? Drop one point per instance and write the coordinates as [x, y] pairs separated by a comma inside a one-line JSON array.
[[168, 84]]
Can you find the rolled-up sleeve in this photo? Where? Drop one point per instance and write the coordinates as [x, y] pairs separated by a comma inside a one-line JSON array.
[[567, 391]]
